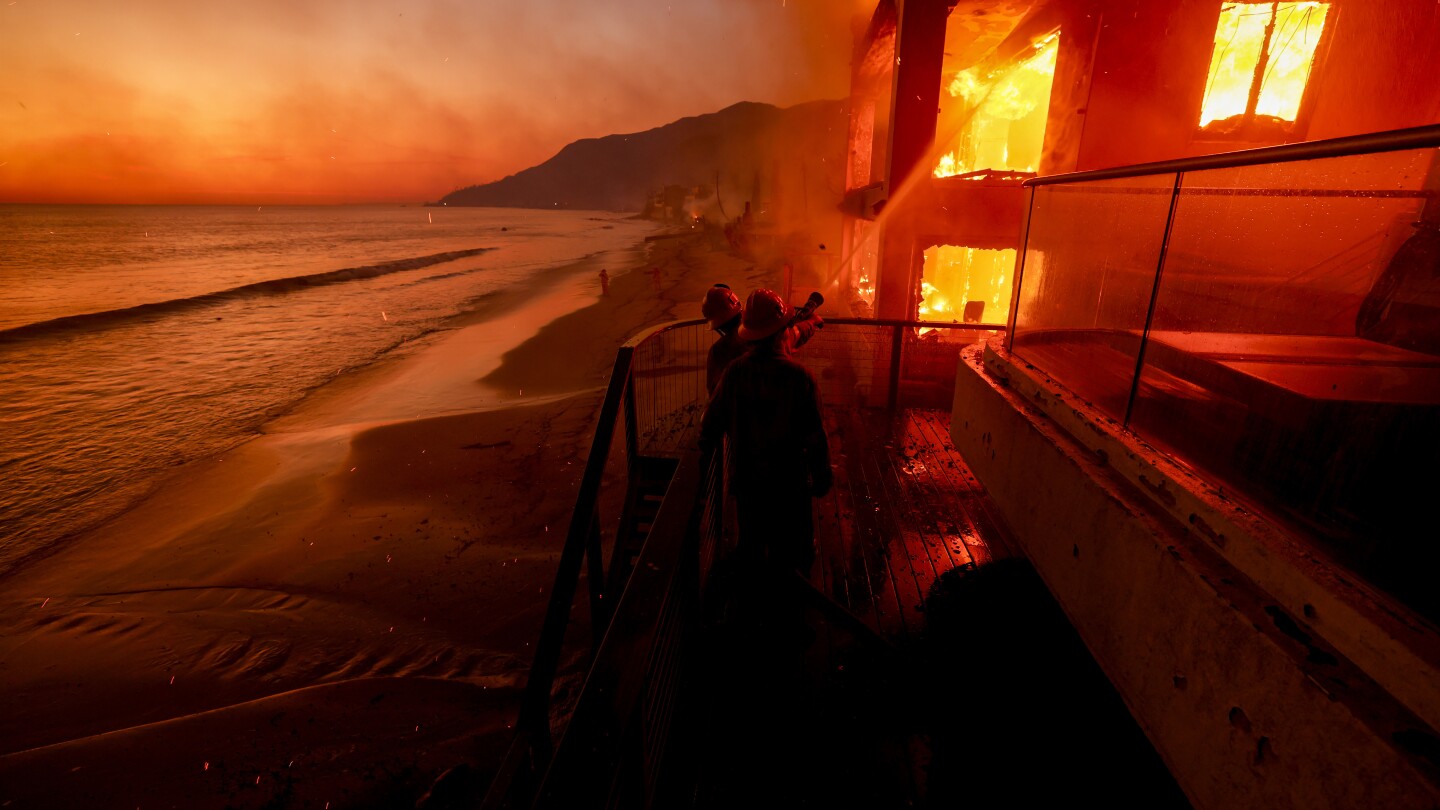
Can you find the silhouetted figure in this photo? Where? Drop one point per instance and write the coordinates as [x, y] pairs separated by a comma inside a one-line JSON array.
[[769, 407], [721, 309], [604, 282], [655, 277]]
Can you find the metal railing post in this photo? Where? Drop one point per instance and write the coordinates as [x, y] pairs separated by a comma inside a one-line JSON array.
[[599, 608], [1019, 272], [1154, 297], [897, 336], [632, 421]]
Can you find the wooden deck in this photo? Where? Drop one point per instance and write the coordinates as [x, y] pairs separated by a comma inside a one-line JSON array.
[[963, 673], [905, 509]]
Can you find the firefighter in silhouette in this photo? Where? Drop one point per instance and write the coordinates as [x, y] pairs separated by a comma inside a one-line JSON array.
[[721, 309], [769, 407]]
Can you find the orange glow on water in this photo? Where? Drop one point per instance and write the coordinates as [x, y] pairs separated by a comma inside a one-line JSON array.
[[1277, 41], [956, 277], [1007, 111]]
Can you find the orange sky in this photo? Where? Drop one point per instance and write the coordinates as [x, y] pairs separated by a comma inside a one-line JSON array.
[[327, 101]]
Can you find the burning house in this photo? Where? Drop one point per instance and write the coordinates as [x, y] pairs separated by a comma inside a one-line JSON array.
[[1190, 215], [955, 104]]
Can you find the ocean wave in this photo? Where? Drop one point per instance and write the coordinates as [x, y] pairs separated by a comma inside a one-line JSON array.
[[278, 286]]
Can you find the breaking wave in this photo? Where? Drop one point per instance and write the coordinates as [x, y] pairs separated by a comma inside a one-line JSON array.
[[111, 317]]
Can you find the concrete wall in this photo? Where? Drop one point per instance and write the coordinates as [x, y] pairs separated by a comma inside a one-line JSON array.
[[1298, 692]]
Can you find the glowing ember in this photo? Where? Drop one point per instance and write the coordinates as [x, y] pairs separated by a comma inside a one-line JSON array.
[[1007, 110], [1262, 59]]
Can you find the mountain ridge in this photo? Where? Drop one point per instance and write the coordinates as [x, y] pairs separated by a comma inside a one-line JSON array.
[[733, 149]]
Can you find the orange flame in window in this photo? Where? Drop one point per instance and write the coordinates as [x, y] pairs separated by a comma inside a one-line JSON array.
[[966, 283], [1262, 59], [1006, 127]]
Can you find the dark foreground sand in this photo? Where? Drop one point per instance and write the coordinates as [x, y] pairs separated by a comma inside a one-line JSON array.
[[340, 610]]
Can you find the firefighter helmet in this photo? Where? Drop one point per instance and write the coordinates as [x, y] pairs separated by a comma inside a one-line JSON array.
[[720, 305], [765, 314]]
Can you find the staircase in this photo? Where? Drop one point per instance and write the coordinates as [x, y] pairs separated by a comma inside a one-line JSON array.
[[649, 478]]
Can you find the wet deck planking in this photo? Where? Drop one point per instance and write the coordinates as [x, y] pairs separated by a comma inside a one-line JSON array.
[[843, 722], [904, 510]]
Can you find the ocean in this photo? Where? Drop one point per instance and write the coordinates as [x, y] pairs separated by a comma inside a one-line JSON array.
[[134, 339]]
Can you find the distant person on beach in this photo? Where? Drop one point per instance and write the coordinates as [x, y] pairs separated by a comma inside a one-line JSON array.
[[769, 407], [604, 282], [721, 309], [655, 277]]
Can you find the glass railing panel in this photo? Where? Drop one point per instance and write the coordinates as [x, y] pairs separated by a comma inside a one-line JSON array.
[[1089, 272], [1293, 350]]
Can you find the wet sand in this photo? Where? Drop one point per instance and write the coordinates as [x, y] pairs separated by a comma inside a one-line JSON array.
[[341, 609]]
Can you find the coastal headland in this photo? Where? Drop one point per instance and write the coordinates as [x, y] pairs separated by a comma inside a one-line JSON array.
[[341, 609]]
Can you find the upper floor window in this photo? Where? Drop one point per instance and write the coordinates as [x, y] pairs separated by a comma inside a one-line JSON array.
[[1002, 113], [1260, 66]]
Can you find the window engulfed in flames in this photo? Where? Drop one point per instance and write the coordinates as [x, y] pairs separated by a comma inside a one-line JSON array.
[[966, 284], [864, 262], [1001, 115], [1262, 59]]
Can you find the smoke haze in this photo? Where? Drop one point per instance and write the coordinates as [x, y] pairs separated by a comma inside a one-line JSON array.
[[372, 100]]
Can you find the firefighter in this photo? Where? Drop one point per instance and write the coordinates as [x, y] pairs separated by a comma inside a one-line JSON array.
[[769, 407], [721, 308]]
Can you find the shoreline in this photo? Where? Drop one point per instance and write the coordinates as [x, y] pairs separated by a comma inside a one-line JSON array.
[[487, 307], [366, 534]]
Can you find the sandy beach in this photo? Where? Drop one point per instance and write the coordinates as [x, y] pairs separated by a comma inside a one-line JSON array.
[[339, 610]]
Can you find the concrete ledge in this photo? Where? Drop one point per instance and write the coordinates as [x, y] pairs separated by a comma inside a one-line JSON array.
[[1262, 676]]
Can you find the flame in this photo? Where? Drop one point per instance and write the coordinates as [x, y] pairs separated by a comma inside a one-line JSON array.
[[1240, 38], [955, 276], [1003, 131], [866, 289], [863, 264], [934, 306]]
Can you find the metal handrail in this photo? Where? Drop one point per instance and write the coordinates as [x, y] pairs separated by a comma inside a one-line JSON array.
[[1391, 141], [533, 743], [621, 663]]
